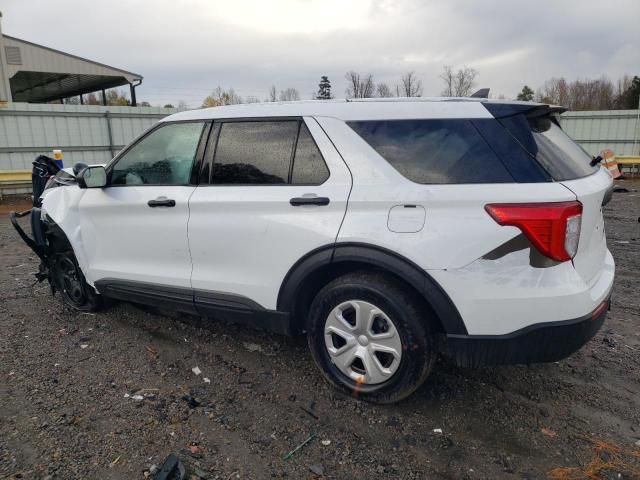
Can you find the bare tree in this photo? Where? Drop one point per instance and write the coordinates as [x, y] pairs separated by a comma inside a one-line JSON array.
[[288, 95], [251, 99], [222, 97], [383, 91], [410, 87], [182, 105], [554, 90], [359, 86], [91, 99], [460, 83], [622, 85], [273, 97], [587, 94]]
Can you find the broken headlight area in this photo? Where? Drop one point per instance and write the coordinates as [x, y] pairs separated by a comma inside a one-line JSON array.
[[45, 234]]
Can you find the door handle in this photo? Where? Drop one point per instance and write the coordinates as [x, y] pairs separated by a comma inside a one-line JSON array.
[[319, 201], [161, 202]]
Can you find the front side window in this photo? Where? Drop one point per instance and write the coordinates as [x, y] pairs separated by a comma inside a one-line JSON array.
[[439, 151], [250, 153], [163, 157]]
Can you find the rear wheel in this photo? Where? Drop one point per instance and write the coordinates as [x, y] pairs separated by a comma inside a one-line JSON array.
[[69, 280], [370, 337]]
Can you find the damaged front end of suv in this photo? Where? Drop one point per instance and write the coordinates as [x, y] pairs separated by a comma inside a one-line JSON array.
[[58, 264]]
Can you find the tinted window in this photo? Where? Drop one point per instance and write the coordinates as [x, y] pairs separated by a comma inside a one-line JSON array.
[[254, 152], [164, 157], [434, 151], [521, 165], [308, 165], [563, 158], [544, 140]]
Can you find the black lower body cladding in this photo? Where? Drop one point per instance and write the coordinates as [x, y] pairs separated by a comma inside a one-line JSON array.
[[543, 342]]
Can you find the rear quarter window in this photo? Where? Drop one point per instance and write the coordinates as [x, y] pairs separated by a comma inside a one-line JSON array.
[[536, 130], [434, 151], [563, 158]]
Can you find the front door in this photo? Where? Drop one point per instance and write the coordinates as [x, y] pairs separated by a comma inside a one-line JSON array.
[[277, 189], [135, 229]]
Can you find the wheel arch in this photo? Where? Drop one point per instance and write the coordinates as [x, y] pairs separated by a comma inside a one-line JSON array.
[[307, 276]]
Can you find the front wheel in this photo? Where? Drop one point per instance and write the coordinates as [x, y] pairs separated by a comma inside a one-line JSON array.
[[371, 337], [69, 280]]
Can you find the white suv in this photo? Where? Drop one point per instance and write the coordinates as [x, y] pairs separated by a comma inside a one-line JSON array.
[[386, 231]]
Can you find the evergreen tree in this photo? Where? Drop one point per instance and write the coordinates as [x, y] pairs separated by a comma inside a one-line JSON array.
[[630, 98], [324, 89], [526, 95]]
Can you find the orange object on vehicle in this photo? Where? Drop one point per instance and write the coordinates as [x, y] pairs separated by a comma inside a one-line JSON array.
[[609, 161]]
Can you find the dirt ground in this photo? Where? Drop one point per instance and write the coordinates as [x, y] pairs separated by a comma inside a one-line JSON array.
[[71, 383]]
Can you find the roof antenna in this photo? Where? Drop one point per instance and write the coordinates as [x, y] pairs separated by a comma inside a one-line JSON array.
[[482, 93]]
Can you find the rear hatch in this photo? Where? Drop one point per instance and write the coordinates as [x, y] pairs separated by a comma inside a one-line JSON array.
[[537, 130], [592, 246]]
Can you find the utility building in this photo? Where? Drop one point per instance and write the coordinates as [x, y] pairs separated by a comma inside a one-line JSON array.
[[33, 73]]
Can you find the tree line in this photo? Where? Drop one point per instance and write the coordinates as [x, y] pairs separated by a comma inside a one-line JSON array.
[[587, 94], [580, 94], [360, 85]]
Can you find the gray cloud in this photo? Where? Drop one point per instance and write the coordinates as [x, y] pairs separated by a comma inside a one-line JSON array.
[[186, 48]]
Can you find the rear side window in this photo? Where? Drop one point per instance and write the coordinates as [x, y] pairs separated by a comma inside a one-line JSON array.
[[434, 151], [254, 152], [267, 153], [308, 165]]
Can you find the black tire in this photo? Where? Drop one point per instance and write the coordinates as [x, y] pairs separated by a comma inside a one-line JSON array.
[[70, 282], [409, 317]]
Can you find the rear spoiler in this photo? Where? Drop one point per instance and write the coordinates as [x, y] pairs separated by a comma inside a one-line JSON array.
[[503, 110], [482, 93]]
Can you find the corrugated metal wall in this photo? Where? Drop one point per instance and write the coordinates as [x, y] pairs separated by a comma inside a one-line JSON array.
[[80, 131], [597, 130]]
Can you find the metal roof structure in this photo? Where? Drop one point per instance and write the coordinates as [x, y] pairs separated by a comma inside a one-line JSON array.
[[34, 73]]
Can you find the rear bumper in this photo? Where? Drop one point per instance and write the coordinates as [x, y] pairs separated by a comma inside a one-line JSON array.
[[543, 342]]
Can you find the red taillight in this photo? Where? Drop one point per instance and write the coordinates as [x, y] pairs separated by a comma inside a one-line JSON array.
[[553, 228]]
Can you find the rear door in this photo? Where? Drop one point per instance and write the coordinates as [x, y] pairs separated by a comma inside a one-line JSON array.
[[272, 190]]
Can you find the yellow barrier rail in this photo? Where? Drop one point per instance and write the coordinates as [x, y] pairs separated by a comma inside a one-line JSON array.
[[628, 159], [15, 176], [630, 164]]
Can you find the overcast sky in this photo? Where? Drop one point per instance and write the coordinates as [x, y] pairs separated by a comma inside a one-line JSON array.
[[184, 49]]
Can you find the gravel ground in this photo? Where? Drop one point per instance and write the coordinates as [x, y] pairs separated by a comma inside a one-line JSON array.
[[109, 395]]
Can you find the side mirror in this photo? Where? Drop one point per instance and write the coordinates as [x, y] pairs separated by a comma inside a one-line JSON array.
[[92, 177]]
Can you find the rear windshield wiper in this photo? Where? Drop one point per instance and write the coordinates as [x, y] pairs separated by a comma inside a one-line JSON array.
[[595, 160]]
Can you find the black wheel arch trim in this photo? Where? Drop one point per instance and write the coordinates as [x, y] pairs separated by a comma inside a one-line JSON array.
[[378, 257]]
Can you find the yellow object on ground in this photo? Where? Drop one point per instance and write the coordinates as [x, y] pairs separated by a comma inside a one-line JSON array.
[[13, 176], [630, 163]]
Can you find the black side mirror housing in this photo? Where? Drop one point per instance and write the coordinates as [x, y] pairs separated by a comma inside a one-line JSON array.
[[78, 167], [92, 177]]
